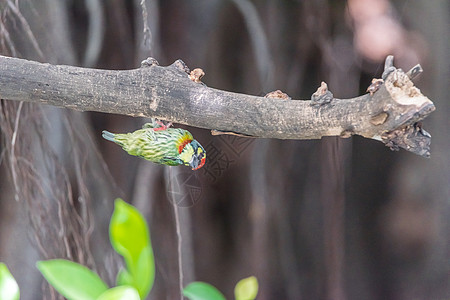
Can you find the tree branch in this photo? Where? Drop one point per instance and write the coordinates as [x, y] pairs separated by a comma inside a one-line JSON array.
[[167, 93]]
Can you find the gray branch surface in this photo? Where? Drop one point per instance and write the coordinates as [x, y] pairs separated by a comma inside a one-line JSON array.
[[391, 109]]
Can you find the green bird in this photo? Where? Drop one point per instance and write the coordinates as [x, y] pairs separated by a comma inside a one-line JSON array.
[[160, 144]]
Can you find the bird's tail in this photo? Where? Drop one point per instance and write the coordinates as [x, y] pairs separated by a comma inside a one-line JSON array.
[[108, 136]]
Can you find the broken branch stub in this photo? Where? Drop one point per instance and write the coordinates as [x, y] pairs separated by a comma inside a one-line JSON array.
[[405, 108]]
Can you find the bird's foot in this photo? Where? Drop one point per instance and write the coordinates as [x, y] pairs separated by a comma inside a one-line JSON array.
[[161, 126]]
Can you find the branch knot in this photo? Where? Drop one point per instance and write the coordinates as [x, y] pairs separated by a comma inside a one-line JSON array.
[[322, 95]]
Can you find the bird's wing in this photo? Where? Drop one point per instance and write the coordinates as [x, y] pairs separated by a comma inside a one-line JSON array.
[[172, 161]]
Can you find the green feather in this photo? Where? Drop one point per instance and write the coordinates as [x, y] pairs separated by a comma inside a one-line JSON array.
[[158, 146]]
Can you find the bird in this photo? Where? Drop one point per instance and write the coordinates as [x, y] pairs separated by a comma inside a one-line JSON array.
[[161, 144]]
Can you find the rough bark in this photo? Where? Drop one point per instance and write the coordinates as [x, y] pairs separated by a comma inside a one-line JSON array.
[[167, 93]]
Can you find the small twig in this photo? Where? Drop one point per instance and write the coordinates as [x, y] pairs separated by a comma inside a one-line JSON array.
[[388, 67], [218, 132], [414, 71]]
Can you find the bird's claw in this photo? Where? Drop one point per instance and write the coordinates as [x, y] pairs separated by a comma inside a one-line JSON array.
[[162, 126]]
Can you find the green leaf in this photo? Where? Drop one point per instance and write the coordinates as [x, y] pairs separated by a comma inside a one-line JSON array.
[[120, 293], [72, 280], [202, 291], [9, 290], [130, 238], [124, 278], [246, 289]]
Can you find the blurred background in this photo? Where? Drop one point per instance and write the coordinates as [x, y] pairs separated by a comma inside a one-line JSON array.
[[325, 219]]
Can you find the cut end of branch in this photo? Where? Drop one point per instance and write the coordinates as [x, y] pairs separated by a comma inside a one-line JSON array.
[[403, 91]]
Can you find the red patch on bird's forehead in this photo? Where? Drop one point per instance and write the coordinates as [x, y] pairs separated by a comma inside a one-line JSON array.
[[183, 144]]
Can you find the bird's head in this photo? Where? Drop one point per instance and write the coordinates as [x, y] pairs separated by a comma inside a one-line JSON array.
[[193, 155]]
